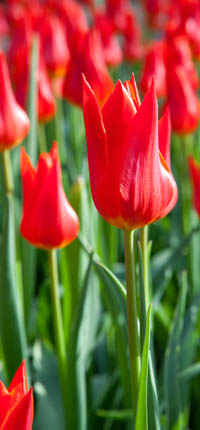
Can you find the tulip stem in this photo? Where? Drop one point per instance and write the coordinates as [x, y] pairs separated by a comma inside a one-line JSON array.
[[42, 138], [145, 262], [58, 327], [133, 331], [7, 170]]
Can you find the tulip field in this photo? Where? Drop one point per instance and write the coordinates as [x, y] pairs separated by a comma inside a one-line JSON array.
[[99, 215]]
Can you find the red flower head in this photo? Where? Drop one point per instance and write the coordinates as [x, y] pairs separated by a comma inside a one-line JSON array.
[[16, 403], [133, 48], [195, 179], [88, 58], [178, 52], [111, 47], [154, 67], [54, 45], [14, 123], [183, 102], [48, 220], [130, 181]]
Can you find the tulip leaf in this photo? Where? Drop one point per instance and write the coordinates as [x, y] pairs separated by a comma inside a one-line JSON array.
[[114, 296], [125, 414], [79, 352], [172, 364], [29, 253], [13, 336], [142, 408], [190, 372]]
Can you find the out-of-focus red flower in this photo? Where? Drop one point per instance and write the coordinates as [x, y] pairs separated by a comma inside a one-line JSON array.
[[48, 220], [46, 103], [157, 12], [112, 50], [130, 181], [178, 52], [154, 67], [16, 403], [88, 58], [14, 122], [133, 48], [19, 60], [73, 16], [116, 10], [183, 101], [194, 169], [54, 44]]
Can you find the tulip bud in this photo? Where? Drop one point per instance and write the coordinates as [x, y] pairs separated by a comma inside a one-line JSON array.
[[48, 220]]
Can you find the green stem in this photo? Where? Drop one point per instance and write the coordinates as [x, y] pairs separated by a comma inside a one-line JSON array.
[[145, 263], [133, 332], [42, 138], [7, 170], [58, 327]]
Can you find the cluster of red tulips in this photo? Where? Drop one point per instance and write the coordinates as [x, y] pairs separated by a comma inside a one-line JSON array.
[[68, 51]]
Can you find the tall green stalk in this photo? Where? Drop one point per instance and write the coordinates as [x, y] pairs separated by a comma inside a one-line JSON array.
[[133, 330], [58, 327], [145, 263]]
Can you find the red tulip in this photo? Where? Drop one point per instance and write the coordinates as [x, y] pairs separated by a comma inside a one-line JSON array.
[[87, 58], [48, 220], [178, 52], [195, 179], [164, 135], [111, 47], [14, 123], [183, 102], [154, 67], [54, 45], [133, 49], [131, 183], [16, 403]]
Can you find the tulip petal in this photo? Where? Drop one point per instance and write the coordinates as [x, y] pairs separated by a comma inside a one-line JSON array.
[[164, 132], [96, 136], [21, 416], [20, 378]]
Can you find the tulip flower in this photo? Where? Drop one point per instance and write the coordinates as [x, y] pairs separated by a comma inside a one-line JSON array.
[[54, 45], [133, 48], [131, 182], [87, 58], [183, 101], [16, 403], [111, 47], [195, 179], [48, 220], [14, 122], [154, 67], [178, 52]]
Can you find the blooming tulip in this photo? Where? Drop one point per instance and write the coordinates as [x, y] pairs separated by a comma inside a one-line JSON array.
[[182, 100], [154, 66], [14, 123], [87, 58], [48, 220], [131, 182], [16, 403], [195, 178]]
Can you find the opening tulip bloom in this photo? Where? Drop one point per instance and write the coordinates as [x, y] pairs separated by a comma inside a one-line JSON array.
[[131, 182], [48, 220], [14, 123], [16, 403]]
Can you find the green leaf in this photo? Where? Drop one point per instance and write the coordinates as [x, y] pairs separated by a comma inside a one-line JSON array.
[[190, 372], [114, 296], [172, 363], [13, 336], [125, 414], [28, 252], [79, 351], [142, 407]]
